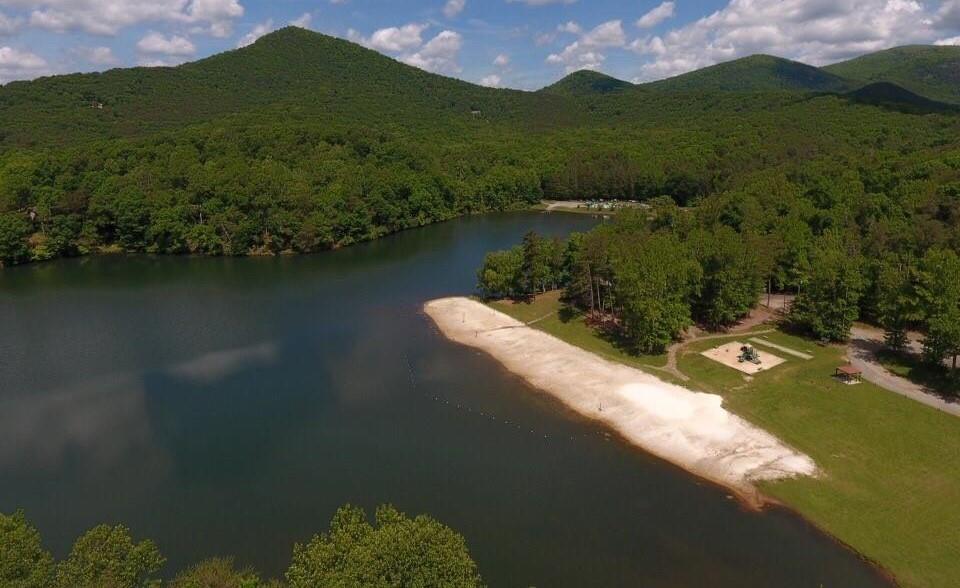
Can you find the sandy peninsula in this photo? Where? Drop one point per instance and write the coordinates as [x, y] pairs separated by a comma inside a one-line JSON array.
[[689, 429]]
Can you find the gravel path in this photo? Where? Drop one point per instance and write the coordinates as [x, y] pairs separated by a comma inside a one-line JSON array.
[[864, 345]]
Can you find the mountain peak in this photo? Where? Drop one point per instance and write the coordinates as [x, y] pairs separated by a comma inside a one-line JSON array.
[[587, 82], [929, 70], [755, 73]]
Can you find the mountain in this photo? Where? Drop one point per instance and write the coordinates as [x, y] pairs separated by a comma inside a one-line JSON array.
[[290, 73], [892, 96], [587, 83], [304, 142], [757, 73], [931, 71]]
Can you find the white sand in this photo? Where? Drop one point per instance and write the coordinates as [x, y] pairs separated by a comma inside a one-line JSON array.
[[729, 355], [689, 429]]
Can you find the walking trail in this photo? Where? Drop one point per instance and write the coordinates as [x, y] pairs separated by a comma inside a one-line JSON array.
[[865, 342]]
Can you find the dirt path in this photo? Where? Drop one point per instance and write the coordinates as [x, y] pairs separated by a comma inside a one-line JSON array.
[[865, 342]]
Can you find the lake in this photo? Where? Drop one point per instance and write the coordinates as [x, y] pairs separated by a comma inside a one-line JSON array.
[[228, 406]]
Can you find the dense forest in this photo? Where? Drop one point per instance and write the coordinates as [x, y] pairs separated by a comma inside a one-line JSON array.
[[302, 142], [877, 242], [394, 551]]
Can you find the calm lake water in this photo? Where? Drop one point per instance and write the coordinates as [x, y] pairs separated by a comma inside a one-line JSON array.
[[228, 406]]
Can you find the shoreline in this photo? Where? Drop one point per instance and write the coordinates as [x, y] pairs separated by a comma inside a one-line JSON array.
[[689, 429]]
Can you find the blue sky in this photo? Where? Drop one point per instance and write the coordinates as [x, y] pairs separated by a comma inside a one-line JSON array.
[[512, 43]]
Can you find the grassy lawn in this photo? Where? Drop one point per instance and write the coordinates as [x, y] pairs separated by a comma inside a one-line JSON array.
[[891, 466]]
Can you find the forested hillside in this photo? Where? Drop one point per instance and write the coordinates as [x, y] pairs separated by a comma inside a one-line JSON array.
[[302, 142], [756, 73], [933, 72]]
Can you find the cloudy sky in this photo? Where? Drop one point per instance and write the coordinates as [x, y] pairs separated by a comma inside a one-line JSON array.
[[512, 43]]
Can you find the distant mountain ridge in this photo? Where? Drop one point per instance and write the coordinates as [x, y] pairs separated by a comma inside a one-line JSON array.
[[756, 73], [294, 73], [930, 71], [587, 82]]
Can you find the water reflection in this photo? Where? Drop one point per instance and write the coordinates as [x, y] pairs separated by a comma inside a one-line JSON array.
[[102, 422], [217, 365]]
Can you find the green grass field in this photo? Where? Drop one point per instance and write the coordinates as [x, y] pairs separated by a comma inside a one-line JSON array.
[[890, 483]]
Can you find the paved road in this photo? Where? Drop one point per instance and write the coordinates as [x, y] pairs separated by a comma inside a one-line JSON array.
[[864, 344]]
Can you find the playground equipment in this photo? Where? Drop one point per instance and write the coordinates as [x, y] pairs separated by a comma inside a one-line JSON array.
[[748, 354]]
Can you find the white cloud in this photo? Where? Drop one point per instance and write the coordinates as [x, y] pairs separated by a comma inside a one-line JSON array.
[[656, 16], [541, 2], [570, 27], [108, 17], [951, 41], [609, 34], [502, 60], [948, 17], [439, 55], [16, 64], [303, 21], [454, 7], [585, 52], [9, 25], [491, 81], [97, 55], [255, 33], [397, 39], [812, 31], [155, 43]]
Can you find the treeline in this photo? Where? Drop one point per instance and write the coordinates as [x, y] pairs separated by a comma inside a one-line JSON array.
[[396, 551], [876, 243], [260, 184], [247, 191]]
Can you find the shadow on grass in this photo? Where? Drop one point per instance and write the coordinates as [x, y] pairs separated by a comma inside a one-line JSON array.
[[940, 380]]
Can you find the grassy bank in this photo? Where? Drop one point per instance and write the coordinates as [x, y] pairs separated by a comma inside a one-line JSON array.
[[553, 317], [891, 475]]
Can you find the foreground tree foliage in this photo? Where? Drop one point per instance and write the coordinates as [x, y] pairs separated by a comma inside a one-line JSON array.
[[107, 556], [219, 573], [24, 563], [396, 552]]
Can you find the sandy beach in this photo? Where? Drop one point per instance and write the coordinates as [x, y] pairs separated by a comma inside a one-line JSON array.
[[689, 429]]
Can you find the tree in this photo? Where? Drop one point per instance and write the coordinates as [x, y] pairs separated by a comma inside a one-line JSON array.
[[398, 551], [732, 277], [106, 556], [940, 290], [655, 280], [24, 563], [501, 274], [14, 230], [216, 573], [829, 304], [943, 337], [898, 304], [537, 270]]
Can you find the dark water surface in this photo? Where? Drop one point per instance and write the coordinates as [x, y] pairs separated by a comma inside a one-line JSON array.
[[228, 406]]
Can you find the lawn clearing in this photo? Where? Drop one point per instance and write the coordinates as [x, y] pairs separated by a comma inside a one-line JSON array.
[[891, 483]]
